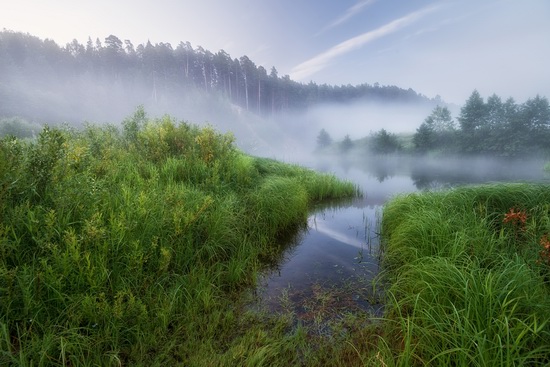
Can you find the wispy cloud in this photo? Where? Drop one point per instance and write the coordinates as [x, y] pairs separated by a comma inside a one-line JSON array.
[[350, 13], [322, 60]]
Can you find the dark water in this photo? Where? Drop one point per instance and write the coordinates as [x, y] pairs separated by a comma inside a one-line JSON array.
[[332, 265]]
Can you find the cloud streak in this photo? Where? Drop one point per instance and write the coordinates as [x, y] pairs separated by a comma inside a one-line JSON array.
[[322, 60], [350, 13]]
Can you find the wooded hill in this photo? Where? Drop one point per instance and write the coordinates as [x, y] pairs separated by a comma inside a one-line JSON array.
[[42, 80]]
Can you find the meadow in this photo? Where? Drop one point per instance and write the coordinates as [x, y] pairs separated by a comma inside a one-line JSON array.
[[135, 245]]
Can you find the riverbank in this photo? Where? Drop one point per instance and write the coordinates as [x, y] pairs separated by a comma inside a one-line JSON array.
[[134, 246], [468, 272], [142, 246]]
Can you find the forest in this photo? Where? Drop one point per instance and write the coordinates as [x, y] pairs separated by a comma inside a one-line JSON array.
[[491, 128], [42, 79]]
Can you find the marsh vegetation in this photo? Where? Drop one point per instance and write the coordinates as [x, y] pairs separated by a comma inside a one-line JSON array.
[[142, 245], [469, 276], [154, 242], [132, 246]]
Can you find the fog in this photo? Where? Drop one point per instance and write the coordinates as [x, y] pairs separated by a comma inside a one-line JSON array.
[[290, 136], [444, 47], [360, 119], [82, 99]]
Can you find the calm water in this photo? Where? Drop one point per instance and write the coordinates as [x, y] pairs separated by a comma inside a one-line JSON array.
[[334, 261]]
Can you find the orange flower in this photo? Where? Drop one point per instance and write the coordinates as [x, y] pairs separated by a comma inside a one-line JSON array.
[[515, 217], [545, 252]]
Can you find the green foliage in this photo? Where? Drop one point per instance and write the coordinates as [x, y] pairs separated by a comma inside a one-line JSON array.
[[437, 132], [383, 142], [473, 124], [536, 115], [281, 203], [468, 284], [494, 127], [346, 145], [133, 248], [441, 120], [132, 126], [323, 139], [424, 139], [43, 158]]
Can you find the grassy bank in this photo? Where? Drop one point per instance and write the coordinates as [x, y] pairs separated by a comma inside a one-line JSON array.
[[131, 246], [468, 273]]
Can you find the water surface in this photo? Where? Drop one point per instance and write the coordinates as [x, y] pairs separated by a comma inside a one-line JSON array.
[[333, 263]]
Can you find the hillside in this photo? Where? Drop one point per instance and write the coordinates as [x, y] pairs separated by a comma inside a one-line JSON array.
[[105, 81]]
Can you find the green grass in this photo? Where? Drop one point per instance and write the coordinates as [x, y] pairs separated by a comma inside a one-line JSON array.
[[134, 247], [467, 287], [139, 246]]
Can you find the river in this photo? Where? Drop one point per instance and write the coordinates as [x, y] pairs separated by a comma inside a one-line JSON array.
[[332, 264]]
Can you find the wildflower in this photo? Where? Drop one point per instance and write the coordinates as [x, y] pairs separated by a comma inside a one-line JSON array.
[[545, 252], [515, 217]]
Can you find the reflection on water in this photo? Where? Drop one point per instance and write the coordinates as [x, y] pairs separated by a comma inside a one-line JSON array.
[[338, 250], [430, 173], [335, 260]]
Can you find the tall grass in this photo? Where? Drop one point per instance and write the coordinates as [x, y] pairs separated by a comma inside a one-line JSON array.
[[131, 247], [468, 286]]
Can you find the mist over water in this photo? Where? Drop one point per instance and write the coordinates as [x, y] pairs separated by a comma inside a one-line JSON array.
[[74, 98], [339, 249], [339, 252]]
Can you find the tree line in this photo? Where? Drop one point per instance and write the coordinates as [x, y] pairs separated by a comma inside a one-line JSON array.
[[493, 127], [163, 70]]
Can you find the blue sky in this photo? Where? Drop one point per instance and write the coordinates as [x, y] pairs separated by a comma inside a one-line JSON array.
[[445, 47]]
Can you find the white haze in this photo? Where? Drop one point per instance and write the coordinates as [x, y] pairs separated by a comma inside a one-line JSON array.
[[360, 119], [445, 47], [290, 135]]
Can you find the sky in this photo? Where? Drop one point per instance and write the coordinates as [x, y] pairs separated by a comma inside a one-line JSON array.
[[436, 47]]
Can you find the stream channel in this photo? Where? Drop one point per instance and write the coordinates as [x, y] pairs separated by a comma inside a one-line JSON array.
[[331, 265]]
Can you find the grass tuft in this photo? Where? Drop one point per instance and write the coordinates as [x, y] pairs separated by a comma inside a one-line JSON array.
[[467, 283]]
